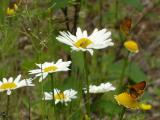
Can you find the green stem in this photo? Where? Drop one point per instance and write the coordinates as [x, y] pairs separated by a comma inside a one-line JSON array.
[[29, 109], [7, 107], [65, 12], [42, 101], [121, 83], [101, 13], [76, 15], [87, 83], [43, 105], [29, 102], [52, 87], [116, 11], [80, 96], [122, 113], [123, 73]]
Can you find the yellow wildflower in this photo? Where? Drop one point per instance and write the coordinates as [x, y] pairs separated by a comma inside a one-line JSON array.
[[132, 46], [144, 106], [127, 100], [11, 10]]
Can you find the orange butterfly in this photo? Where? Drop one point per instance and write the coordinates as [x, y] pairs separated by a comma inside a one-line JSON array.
[[125, 25], [130, 99], [137, 90]]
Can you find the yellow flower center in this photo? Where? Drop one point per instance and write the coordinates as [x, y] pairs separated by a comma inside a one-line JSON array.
[[50, 69], [59, 96], [9, 85], [132, 46], [83, 43], [145, 106]]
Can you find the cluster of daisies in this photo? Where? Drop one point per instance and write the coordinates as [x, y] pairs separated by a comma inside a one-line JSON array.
[[99, 39]]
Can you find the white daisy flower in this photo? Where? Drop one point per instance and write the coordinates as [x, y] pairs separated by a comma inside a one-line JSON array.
[[11, 84], [84, 42], [102, 88], [59, 96], [50, 67]]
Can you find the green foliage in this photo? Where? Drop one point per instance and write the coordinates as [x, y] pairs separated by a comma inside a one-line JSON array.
[[62, 3], [115, 70], [78, 61], [109, 16], [133, 71], [136, 73], [134, 3], [106, 105]]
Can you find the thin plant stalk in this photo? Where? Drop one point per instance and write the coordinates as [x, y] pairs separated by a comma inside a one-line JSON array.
[[121, 83], [29, 103], [7, 107], [42, 101], [77, 8], [122, 113], [3, 116], [123, 73], [43, 105], [87, 83], [101, 13], [77, 73], [64, 110], [65, 12], [52, 87], [116, 9], [70, 108], [29, 109], [80, 95]]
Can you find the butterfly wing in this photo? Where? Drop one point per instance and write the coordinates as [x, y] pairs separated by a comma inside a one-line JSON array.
[[125, 25], [137, 89]]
